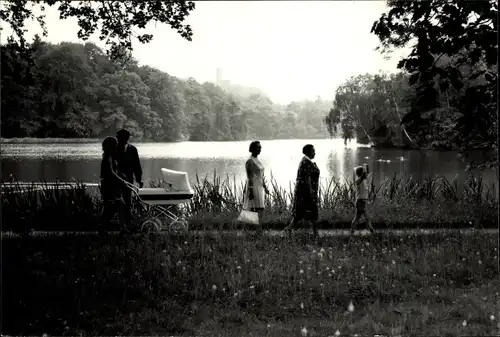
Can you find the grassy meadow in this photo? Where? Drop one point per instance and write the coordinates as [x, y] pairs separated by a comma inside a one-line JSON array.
[[223, 285], [220, 284]]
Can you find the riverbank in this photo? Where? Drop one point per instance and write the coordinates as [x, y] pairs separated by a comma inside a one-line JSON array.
[[29, 140], [437, 147], [236, 286], [394, 204], [32, 140]]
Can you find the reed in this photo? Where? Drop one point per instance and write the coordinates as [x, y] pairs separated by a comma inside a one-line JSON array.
[[59, 205], [217, 193], [395, 202]]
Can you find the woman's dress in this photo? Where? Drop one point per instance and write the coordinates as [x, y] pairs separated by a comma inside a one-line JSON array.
[[305, 205], [255, 171], [111, 187]]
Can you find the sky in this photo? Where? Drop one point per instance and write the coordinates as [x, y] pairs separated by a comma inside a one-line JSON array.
[[292, 50]]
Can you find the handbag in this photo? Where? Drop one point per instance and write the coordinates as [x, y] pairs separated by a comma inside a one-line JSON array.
[[248, 217]]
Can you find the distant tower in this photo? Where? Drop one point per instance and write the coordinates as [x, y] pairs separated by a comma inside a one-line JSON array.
[[218, 76]]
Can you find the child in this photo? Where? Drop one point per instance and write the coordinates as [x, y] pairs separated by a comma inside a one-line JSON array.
[[111, 185], [361, 185]]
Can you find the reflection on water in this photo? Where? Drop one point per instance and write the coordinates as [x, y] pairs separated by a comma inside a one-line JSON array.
[[29, 162]]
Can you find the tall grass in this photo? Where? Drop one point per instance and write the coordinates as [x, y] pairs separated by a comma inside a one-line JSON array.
[[396, 201], [224, 195], [45, 205]]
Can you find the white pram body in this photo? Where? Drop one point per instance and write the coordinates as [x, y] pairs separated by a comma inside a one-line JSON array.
[[158, 202]]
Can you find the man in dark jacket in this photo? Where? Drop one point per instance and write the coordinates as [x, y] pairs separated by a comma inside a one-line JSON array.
[[129, 166]]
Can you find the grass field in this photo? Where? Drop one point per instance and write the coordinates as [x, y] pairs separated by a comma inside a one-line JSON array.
[[395, 203], [253, 285]]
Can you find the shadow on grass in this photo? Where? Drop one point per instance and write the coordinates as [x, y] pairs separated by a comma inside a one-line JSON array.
[[221, 284]]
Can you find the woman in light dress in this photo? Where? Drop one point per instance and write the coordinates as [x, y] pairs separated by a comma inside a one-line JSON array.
[[255, 188]]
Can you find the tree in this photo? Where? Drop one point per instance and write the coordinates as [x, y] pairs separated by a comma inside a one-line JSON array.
[[220, 127], [19, 97], [238, 121], [464, 32], [198, 106], [167, 102], [76, 90], [261, 108], [116, 20], [336, 118], [367, 108], [67, 106]]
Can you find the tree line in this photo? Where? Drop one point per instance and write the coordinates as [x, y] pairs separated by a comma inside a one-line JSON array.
[[446, 93], [74, 90], [371, 109]]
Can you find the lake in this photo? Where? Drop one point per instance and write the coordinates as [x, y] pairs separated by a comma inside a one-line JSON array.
[[50, 162]]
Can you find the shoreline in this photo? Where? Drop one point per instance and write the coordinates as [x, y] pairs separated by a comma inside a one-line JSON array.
[[32, 140], [35, 141]]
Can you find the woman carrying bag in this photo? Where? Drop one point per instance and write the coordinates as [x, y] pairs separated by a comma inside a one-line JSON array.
[[255, 188]]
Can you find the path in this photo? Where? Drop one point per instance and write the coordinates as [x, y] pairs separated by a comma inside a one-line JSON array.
[[274, 233]]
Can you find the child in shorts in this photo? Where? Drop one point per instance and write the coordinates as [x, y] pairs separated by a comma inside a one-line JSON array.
[[361, 189]]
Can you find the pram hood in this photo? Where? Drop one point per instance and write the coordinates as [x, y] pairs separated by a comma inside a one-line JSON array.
[[178, 180]]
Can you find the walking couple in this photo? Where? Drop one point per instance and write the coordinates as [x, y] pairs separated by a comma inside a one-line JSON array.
[[119, 166], [305, 207]]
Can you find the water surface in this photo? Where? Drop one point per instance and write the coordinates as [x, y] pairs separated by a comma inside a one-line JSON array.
[[50, 162]]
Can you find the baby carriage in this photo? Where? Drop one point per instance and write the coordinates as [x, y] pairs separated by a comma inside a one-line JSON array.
[[158, 203]]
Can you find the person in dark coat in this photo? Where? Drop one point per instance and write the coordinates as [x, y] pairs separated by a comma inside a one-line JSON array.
[[129, 167], [306, 196], [111, 185]]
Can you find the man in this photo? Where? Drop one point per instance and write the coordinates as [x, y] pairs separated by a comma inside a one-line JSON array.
[[129, 167]]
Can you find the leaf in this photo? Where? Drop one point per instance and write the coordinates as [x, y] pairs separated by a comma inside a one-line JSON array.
[[444, 85], [491, 56], [490, 77], [401, 63], [477, 74], [115, 20], [455, 77]]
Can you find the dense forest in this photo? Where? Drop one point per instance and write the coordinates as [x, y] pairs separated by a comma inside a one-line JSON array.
[[446, 93], [75, 90], [370, 108]]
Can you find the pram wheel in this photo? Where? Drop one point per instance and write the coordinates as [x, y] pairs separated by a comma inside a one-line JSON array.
[[179, 225], [150, 226]]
